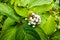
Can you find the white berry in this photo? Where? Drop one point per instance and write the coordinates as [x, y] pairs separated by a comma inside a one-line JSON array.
[[25, 18], [29, 24], [33, 26], [34, 19]]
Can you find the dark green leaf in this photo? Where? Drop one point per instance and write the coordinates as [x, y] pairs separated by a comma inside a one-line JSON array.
[[41, 33], [26, 33], [1, 18], [59, 19], [56, 35]]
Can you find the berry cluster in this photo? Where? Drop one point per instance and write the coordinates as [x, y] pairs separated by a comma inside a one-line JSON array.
[[33, 19]]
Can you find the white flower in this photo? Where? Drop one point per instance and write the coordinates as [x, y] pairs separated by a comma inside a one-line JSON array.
[[37, 20], [33, 13], [58, 27], [25, 18], [34, 19], [55, 30], [36, 15], [30, 18], [29, 23], [32, 22], [33, 26]]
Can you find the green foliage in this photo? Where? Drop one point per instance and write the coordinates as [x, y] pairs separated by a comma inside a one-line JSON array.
[[20, 33], [26, 33], [8, 11], [8, 22], [13, 25], [9, 34], [41, 33], [32, 6], [49, 26], [56, 35]]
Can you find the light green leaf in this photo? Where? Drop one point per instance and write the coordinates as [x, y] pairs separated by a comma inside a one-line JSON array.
[[16, 2], [8, 11], [12, 1], [44, 17], [49, 26], [24, 2], [21, 11], [9, 34], [33, 3], [20, 2], [8, 22], [42, 8], [39, 9]]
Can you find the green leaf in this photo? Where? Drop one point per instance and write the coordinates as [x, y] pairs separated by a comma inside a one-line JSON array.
[[0, 0], [20, 2], [42, 8], [8, 22], [49, 26], [59, 19], [24, 2], [0, 25], [21, 11], [41, 33], [1, 18], [31, 3], [44, 17], [56, 6], [38, 2], [12, 1], [9, 34], [26, 33], [39, 9], [16, 2], [56, 35], [8, 11]]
